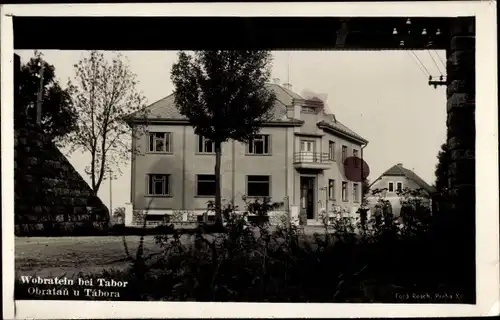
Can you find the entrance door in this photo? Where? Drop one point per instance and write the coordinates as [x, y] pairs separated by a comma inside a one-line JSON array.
[[307, 197], [307, 150]]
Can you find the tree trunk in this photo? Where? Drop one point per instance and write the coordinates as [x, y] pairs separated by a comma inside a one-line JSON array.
[[218, 197]]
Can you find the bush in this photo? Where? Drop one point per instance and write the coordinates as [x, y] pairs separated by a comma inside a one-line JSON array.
[[351, 261], [367, 260]]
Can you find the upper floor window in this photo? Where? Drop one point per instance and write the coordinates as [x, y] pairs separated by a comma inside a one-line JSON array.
[[160, 142], [344, 191], [205, 145], [260, 144], [258, 186], [331, 189], [331, 150], [355, 156], [344, 153], [205, 185], [399, 186], [391, 187], [158, 185]]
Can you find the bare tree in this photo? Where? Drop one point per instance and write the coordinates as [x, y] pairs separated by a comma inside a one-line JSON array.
[[104, 93]]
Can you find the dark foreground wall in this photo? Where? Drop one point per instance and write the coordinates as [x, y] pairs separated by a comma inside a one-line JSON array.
[[51, 198]]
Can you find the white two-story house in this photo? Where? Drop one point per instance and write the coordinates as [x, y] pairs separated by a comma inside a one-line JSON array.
[[296, 158]]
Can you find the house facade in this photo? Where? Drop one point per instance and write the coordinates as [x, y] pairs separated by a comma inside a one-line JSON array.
[[296, 158], [398, 178]]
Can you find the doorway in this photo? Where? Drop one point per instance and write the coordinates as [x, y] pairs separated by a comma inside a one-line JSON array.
[[307, 197]]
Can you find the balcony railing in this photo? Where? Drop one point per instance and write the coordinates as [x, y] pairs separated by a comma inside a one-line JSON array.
[[311, 157]]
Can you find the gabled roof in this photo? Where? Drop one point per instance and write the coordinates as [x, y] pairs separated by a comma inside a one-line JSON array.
[[165, 109], [339, 127], [398, 170]]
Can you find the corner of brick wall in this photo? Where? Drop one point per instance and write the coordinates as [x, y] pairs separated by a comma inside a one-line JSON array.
[[461, 104], [51, 198], [459, 222]]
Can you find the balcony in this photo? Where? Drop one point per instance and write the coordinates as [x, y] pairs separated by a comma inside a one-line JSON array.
[[311, 160]]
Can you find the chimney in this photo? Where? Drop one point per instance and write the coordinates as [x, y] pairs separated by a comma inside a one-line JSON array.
[[400, 164], [293, 111], [288, 86], [276, 80]]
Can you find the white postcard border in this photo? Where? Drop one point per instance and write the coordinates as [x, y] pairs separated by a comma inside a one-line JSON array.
[[486, 165]]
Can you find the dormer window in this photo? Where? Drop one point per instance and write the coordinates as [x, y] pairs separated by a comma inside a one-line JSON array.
[[308, 110]]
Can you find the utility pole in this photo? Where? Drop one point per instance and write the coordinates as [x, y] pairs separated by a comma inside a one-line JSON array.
[[326, 201], [436, 83], [288, 68], [39, 100], [363, 208], [110, 192]]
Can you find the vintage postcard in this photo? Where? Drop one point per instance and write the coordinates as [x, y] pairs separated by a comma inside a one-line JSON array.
[[249, 160]]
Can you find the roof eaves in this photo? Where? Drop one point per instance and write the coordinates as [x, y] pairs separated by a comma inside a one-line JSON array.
[[133, 114], [323, 124], [286, 91], [289, 122], [419, 181]]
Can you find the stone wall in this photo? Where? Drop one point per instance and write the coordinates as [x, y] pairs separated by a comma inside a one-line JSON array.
[[186, 218], [461, 106], [459, 223], [461, 132], [51, 198]]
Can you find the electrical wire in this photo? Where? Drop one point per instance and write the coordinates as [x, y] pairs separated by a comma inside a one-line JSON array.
[[420, 66], [433, 60], [440, 60], [421, 63]]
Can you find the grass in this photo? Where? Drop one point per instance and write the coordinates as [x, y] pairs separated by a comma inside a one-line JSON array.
[[255, 263], [310, 271], [72, 255], [277, 265], [83, 257], [59, 255]]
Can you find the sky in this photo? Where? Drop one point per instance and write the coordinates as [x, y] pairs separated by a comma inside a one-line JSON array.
[[382, 95]]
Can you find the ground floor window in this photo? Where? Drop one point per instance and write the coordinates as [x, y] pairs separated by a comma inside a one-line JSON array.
[[331, 189], [344, 191], [158, 184], [258, 186], [355, 192], [205, 185], [391, 186], [399, 186]]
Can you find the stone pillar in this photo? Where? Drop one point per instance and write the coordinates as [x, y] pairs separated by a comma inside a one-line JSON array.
[[461, 105], [129, 213], [294, 214]]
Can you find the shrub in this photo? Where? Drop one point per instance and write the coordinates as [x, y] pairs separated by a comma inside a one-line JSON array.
[[252, 262], [350, 261]]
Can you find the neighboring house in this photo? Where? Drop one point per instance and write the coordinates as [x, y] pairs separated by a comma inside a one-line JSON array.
[[297, 156], [398, 178]]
